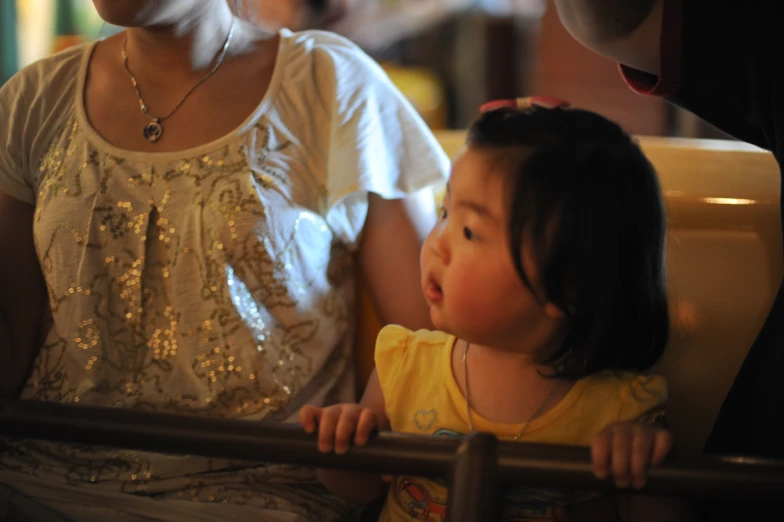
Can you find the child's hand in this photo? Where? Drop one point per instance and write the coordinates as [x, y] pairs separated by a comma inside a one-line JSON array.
[[629, 448], [336, 424]]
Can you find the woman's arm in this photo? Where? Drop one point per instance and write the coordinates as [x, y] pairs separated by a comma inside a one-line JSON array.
[[22, 294], [389, 257]]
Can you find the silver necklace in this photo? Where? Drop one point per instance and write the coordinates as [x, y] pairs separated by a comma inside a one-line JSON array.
[[154, 130], [468, 397]]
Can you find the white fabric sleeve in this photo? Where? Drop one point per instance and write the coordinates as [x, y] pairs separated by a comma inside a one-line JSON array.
[[15, 102], [33, 105], [378, 142]]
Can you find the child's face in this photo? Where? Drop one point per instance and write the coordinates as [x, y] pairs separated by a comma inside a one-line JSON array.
[[468, 275]]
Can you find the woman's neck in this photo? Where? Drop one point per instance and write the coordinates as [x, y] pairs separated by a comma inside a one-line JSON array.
[[182, 49]]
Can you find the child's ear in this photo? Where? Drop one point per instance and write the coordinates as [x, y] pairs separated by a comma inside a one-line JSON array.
[[552, 311]]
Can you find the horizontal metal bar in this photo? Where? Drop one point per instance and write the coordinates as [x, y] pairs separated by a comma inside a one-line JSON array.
[[518, 463]]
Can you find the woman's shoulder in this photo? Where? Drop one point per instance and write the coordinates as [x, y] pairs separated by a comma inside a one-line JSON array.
[[34, 104], [48, 75], [36, 98], [332, 54], [320, 39]]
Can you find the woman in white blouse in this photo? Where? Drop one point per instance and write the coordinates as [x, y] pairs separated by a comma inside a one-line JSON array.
[[181, 208]]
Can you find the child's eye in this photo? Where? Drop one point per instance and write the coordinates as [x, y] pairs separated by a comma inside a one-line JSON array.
[[468, 233], [442, 212]]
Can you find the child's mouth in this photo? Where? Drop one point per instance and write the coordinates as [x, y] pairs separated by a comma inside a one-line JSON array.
[[434, 293]]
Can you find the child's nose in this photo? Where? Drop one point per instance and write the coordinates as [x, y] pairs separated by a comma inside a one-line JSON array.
[[439, 243]]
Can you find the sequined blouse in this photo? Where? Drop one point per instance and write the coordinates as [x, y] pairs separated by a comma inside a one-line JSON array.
[[214, 281]]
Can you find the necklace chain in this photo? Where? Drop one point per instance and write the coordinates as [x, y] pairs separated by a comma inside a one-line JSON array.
[[468, 396], [154, 130]]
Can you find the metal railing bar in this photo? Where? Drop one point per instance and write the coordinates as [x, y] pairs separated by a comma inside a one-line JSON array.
[[474, 495], [517, 463]]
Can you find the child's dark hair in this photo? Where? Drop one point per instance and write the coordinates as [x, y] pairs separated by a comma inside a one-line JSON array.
[[587, 199]]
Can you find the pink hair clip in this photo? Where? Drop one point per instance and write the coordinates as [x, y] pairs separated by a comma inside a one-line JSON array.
[[548, 102]]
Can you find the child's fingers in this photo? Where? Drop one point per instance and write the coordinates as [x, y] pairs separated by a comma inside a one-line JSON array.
[[600, 453], [327, 425], [347, 424], [621, 449], [309, 418], [642, 445], [662, 447], [365, 426]]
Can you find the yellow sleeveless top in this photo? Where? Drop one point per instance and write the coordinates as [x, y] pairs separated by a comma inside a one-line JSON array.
[[422, 397]]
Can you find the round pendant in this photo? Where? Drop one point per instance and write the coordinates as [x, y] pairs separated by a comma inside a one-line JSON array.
[[153, 131]]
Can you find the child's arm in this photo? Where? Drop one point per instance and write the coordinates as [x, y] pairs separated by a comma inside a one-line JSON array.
[[336, 425]]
